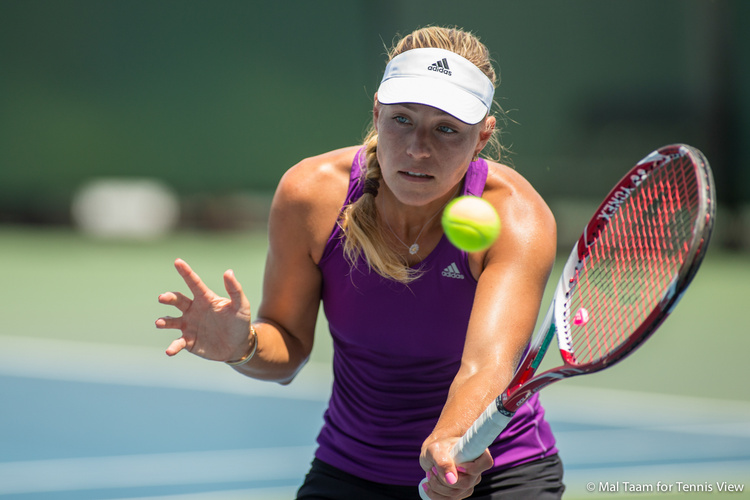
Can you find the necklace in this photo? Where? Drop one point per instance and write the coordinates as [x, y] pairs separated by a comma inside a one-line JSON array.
[[414, 248]]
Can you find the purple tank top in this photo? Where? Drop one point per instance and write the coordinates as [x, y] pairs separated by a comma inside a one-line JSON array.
[[397, 349]]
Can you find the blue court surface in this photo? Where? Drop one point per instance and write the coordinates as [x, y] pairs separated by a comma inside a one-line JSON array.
[[88, 421]]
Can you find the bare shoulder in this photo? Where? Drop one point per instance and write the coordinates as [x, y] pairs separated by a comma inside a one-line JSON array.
[[529, 232], [519, 205], [309, 197], [312, 178]]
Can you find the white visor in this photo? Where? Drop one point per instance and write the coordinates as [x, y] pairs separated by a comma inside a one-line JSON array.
[[438, 78]]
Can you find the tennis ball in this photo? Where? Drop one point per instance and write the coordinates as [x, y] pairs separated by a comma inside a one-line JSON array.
[[471, 223]]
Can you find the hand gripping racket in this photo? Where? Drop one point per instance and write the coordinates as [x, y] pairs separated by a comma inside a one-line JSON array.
[[625, 275]]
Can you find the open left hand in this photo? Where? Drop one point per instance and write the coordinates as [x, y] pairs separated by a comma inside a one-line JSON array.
[[213, 327]]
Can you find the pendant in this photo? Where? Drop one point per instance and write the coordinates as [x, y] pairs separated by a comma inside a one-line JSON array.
[[414, 249]]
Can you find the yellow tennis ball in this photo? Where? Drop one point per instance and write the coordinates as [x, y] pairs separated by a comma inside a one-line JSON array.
[[471, 223]]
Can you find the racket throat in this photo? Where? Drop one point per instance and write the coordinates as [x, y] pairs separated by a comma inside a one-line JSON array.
[[513, 397], [508, 404], [501, 406]]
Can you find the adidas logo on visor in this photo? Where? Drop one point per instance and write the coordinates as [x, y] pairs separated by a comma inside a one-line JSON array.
[[419, 76], [441, 67]]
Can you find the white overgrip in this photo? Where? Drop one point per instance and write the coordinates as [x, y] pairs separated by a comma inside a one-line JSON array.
[[480, 435], [477, 438]]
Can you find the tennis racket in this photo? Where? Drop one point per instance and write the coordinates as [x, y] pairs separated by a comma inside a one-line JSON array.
[[624, 276]]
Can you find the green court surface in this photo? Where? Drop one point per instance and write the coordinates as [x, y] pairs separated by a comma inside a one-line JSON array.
[[58, 284], [76, 291]]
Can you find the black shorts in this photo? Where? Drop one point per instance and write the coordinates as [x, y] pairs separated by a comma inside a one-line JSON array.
[[537, 480]]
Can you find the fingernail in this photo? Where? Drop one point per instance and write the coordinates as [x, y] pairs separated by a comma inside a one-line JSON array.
[[434, 470], [429, 474], [451, 478], [461, 469], [424, 487]]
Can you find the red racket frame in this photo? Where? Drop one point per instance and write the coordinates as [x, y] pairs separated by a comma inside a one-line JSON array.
[[524, 384]]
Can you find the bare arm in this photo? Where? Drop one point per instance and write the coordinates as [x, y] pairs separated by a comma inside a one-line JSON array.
[[291, 285], [512, 277], [303, 213], [286, 318]]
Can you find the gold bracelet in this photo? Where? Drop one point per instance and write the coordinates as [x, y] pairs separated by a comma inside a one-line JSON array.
[[250, 355]]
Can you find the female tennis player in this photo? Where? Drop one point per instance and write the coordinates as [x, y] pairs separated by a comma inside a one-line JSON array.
[[425, 335]]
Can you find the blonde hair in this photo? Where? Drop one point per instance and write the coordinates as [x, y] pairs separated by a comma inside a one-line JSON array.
[[359, 220]]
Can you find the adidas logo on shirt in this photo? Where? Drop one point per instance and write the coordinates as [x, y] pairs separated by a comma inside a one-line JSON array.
[[440, 67], [453, 272]]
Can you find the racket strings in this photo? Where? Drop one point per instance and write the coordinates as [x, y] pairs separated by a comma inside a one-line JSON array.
[[634, 260]]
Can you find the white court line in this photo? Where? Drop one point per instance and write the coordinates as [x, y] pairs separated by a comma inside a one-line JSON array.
[[281, 493], [645, 410], [157, 469], [646, 439], [141, 366], [74, 361], [90, 362]]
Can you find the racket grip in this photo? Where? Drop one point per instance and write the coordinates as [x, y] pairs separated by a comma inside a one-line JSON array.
[[478, 437], [481, 434]]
